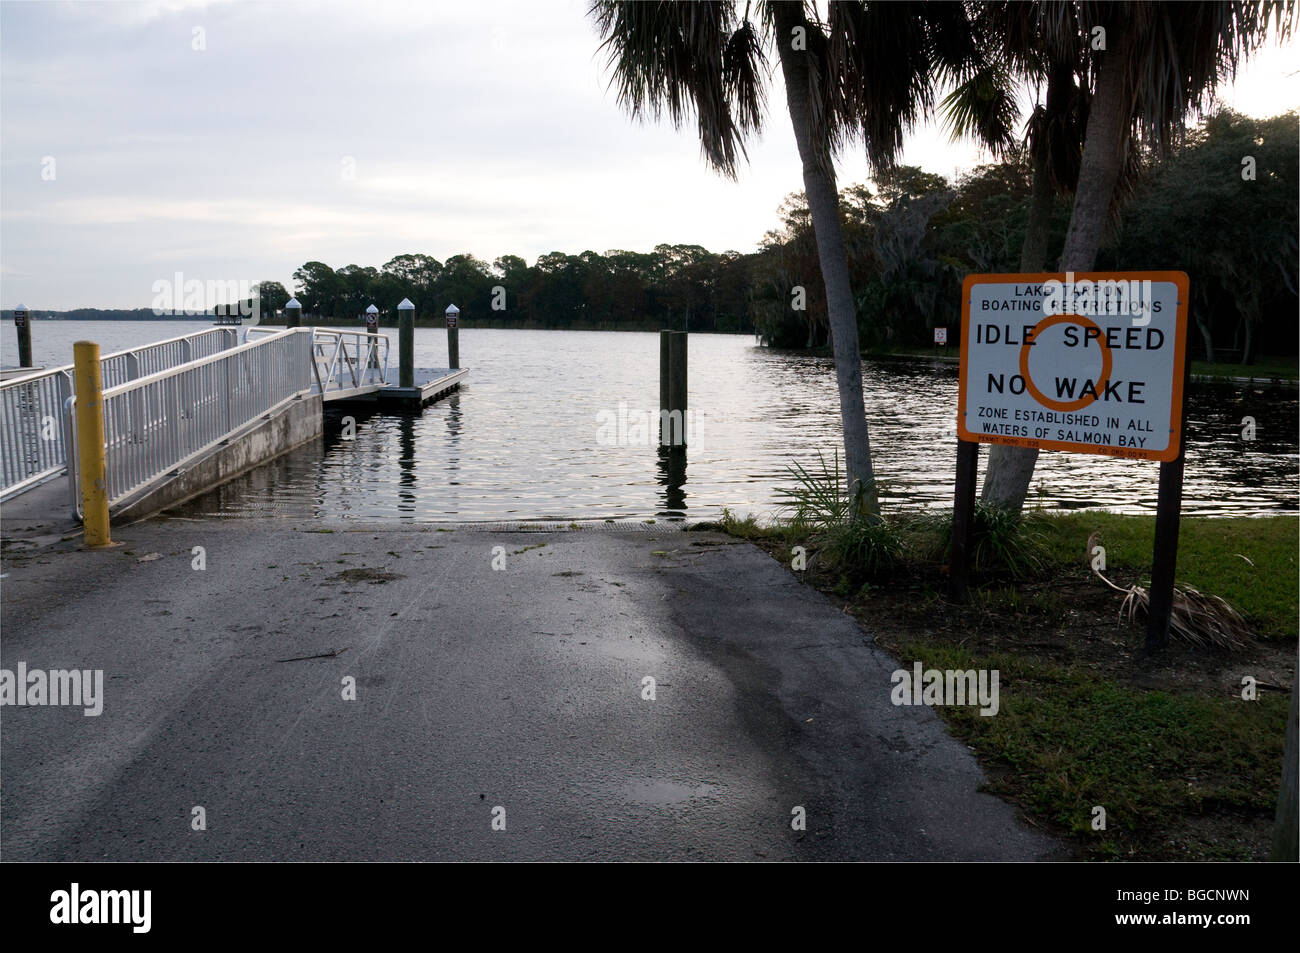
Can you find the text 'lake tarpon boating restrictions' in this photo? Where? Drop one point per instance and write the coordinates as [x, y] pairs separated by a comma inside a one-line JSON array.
[[1088, 362]]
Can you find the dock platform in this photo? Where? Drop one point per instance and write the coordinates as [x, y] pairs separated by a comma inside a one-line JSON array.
[[431, 383]]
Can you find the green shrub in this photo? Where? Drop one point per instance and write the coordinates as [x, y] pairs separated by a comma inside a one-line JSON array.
[[862, 549], [1001, 541]]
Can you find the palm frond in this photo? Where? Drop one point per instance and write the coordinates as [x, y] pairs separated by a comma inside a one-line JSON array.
[[683, 60], [983, 108], [1200, 619]]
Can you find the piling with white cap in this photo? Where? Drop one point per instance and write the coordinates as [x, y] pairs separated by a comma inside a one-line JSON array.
[[372, 328], [406, 343], [453, 336], [292, 313]]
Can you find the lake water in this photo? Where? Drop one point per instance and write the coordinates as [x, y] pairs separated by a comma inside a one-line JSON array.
[[529, 436]]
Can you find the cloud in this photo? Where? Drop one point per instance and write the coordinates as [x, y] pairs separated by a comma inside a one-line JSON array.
[[482, 128]]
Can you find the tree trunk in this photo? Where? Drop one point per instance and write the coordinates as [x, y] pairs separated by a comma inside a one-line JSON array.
[[1033, 253], [824, 208], [1009, 470], [1105, 148], [1208, 339]]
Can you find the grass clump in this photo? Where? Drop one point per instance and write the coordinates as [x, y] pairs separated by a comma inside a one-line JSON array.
[[1003, 541], [862, 549], [857, 545]]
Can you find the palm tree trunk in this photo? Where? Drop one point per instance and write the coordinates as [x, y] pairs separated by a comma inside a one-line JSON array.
[[1105, 148], [824, 208], [1033, 253], [1207, 338], [1006, 479], [1104, 151]]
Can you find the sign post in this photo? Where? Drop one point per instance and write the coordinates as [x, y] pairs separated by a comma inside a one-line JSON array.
[[1086, 363], [1164, 557]]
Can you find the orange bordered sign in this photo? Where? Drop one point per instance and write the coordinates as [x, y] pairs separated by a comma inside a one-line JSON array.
[[1089, 362]]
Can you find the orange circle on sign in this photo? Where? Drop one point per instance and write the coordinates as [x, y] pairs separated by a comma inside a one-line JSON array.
[[1105, 362]]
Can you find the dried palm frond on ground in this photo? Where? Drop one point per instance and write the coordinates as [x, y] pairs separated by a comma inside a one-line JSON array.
[[1196, 617]]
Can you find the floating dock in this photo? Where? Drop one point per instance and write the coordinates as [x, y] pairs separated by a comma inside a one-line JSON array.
[[431, 384]]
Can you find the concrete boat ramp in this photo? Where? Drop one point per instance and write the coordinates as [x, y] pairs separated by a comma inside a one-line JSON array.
[[367, 692]]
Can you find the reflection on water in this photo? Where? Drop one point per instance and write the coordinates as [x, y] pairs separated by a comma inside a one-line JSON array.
[[522, 440], [672, 477]]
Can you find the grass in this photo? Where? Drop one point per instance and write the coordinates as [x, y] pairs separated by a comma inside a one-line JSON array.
[[1065, 742], [1183, 766], [951, 353], [1249, 561], [1275, 367]]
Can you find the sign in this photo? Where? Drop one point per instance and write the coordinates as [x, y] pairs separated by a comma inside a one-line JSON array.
[[372, 322], [941, 336], [451, 320], [20, 318], [1089, 363]]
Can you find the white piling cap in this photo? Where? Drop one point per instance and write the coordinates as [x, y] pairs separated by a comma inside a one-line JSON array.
[[292, 303], [406, 305], [372, 310], [452, 309], [20, 307]]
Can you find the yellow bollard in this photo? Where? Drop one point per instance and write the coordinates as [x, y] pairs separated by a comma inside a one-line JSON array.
[[90, 442]]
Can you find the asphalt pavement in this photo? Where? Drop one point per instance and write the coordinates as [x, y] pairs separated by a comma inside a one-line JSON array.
[[339, 691]]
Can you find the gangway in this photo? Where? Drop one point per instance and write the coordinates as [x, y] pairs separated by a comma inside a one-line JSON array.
[[33, 444], [173, 407]]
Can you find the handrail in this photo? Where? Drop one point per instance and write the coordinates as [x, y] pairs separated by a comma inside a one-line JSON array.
[[360, 355], [157, 423], [197, 362], [67, 368], [32, 451]]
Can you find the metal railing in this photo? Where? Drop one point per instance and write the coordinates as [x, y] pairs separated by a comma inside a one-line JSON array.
[[33, 447], [140, 362], [33, 442], [342, 362], [155, 424]]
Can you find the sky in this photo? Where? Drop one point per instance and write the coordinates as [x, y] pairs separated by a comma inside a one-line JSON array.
[[236, 140]]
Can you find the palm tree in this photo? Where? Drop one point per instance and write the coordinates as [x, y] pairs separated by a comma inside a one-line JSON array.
[[1161, 64], [1014, 46], [865, 73], [1023, 42]]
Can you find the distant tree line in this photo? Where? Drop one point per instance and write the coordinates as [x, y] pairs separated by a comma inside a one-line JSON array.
[[910, 242], [680, 286]]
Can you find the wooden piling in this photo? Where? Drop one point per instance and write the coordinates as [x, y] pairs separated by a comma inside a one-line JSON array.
[[406, 343], [23, 325], [677, 389], [453, 336]]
